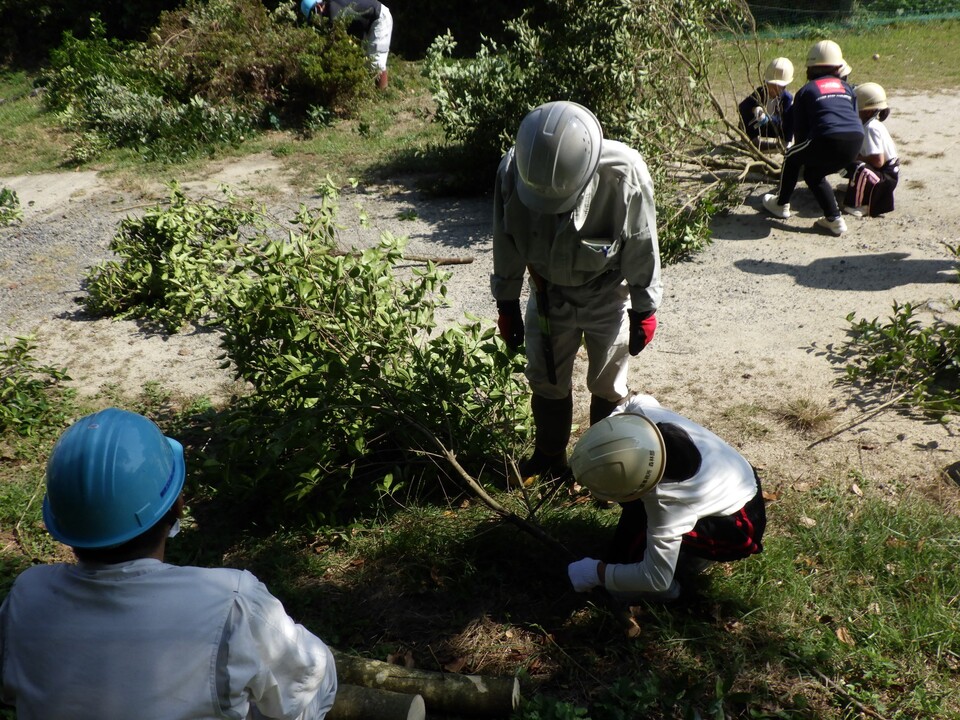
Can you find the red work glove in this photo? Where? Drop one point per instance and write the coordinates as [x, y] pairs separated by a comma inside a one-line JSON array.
[[642, 328], [510, 323]]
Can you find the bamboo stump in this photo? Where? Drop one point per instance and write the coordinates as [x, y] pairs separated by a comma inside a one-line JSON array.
[[364, 703], [443, 693]]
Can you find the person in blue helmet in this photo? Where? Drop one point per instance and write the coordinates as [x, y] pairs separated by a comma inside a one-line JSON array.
[[828, 134], [121, 634], [369, 20]]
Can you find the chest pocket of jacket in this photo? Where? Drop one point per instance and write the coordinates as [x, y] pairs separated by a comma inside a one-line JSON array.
[[596, 253]]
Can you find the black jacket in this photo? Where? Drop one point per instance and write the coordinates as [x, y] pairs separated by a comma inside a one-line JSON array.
[[361, 14]]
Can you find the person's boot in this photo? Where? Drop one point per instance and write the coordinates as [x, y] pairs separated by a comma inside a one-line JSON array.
[[552, 420], [601, 408], [382, 81]]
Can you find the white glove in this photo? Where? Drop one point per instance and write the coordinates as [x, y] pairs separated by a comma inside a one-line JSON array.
[[583, 574], [759, 116]]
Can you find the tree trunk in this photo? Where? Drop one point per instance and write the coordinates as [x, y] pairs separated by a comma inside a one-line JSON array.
[[448, 693], [364, 703]]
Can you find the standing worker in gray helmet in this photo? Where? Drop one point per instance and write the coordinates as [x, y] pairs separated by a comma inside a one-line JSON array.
[[121, 634], [575, 213]]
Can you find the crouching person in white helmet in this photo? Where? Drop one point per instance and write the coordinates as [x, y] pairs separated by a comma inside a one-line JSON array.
[[688, 500], [574, 212], [766, 112], [121, 634]]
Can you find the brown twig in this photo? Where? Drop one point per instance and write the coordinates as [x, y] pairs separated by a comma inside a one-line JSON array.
[[833, 686], [862, 418]]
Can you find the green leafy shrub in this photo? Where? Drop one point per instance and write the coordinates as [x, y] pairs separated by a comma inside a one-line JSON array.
[[173, 262], [239, 54], [10, 211], [611, 56], [351, 383], [921, 361], [212, 73], [31, 397], [79, 64]]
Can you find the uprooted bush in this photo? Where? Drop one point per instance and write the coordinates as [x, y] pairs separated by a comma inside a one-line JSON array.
[[353, 387], [210, 74], [173, 262]]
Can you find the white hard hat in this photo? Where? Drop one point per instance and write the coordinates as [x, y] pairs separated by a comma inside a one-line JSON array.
[[779, 72], [619, 458], [557, 152], [871, 96], [825, 53]]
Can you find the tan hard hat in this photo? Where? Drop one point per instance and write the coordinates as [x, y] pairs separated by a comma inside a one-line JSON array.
[[825, 53], [871, 96], [779, 72], [619, 458]]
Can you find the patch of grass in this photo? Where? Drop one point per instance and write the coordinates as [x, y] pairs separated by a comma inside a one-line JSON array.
[[30, 139], [913, 56], [745, 420], [807, 414]]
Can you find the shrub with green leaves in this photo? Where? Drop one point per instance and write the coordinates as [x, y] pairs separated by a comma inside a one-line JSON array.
[[31, 395], [235, 52], [174, 261], [212, 73], [10, 211], [628, 61], [905, 356], [351, 382]]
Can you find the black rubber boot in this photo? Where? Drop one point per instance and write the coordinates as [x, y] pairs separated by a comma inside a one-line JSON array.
[[552, 420], [600, 408]]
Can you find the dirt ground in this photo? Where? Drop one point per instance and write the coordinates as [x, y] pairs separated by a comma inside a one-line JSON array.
[[745, 327]]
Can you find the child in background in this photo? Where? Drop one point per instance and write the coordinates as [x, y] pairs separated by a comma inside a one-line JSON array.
[[875, 174], [765, 113]]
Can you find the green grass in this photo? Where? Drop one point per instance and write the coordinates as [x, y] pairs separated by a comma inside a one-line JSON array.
[[913, 56], [30, 140]]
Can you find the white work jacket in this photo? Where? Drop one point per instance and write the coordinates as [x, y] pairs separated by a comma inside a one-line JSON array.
[[148, 640], [724, 483], [612, 228]]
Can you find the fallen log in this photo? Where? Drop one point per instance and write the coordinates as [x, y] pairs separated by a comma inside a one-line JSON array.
[[444, 693], [364, 703]]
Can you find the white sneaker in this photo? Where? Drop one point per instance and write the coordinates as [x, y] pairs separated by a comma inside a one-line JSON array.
[[855, 211], [774, 208], [838, 227]]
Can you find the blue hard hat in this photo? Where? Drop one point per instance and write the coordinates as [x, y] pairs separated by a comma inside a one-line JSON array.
[[111, 476], [306, 7]]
